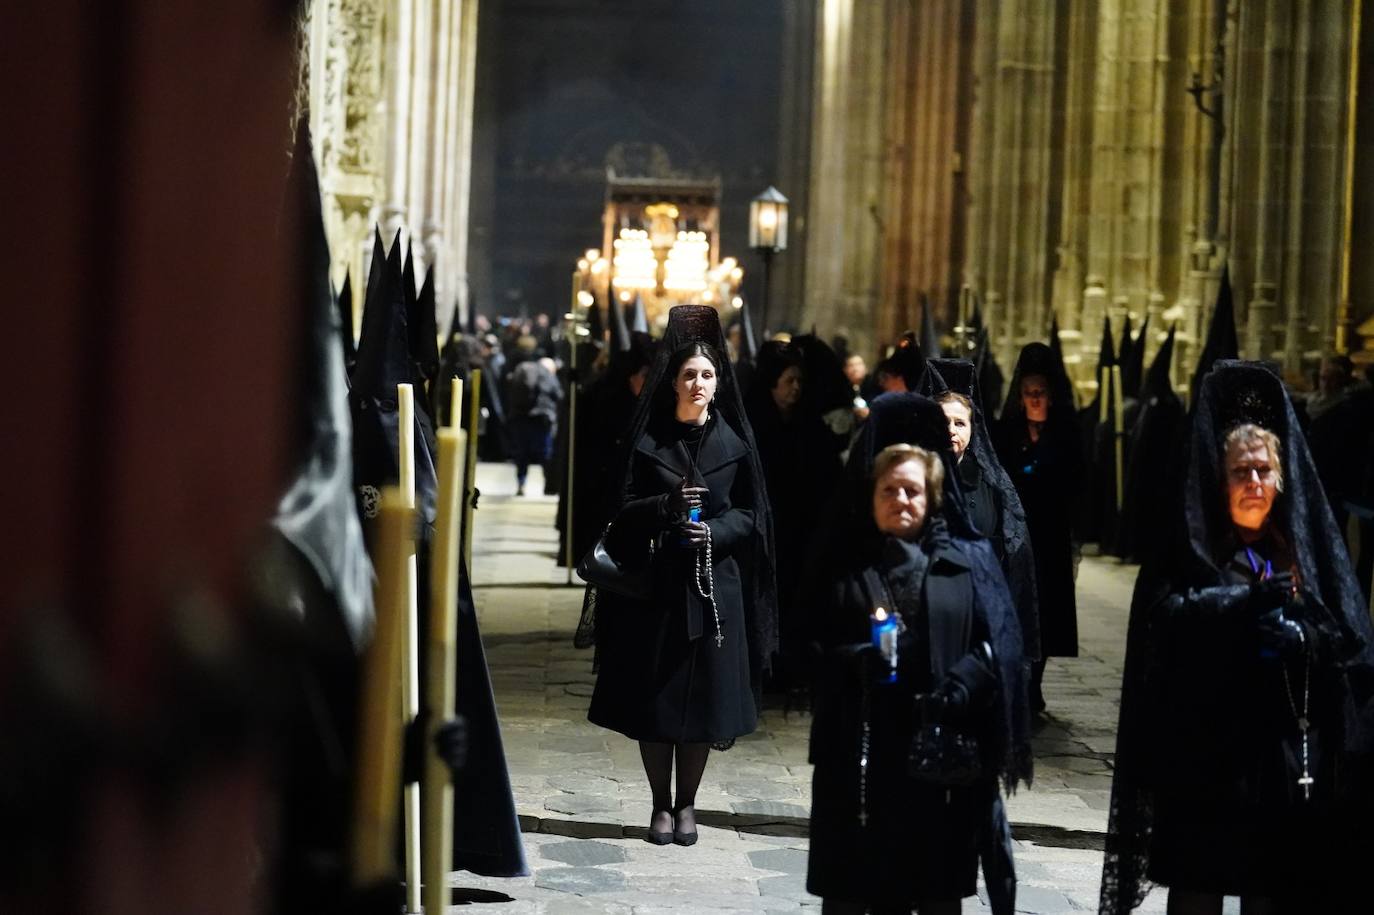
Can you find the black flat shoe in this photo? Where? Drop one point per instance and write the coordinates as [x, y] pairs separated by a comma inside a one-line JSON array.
[[680, 837], [660, 838]]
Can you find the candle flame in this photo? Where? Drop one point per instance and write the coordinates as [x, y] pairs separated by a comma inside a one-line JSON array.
[[880, 614]]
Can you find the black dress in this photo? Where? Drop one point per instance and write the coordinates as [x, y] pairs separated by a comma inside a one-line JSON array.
[[662, 675], [1047, 474], [881, 837]]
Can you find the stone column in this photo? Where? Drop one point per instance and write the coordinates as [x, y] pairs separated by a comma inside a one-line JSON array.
[[397, 73], [1272, 180], [419, 122], [825, 239], [1103, 227], [432, 228], [461, 162]]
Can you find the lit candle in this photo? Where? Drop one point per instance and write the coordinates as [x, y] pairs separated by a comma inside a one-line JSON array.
[[884, 629]]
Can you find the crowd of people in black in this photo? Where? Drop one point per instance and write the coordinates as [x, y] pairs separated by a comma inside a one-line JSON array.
[[899, 549]]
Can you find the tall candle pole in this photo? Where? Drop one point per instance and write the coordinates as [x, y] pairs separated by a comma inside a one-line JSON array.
[[569, 490], [442, 652], [1118, 432], [470, 469], [377, 788], [405, 421]]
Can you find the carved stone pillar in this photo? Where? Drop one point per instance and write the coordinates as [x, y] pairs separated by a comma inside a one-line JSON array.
[[1272, 180], [432, 227], [398, 76], [461, 162]]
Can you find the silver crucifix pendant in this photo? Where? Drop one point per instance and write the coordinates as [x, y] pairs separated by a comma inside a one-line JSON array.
[[720, 639], [1306, 781]]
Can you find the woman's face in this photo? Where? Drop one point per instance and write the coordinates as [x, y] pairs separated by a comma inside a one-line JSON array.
[[1251, 483], [1035, 398], [960, 425], [695, 383], [899, 499], [787, 390]]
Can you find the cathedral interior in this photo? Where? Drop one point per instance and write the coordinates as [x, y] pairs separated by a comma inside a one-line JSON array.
[[975, 173]]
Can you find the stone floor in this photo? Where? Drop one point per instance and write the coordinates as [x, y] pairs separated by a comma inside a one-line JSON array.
[[584, 804]]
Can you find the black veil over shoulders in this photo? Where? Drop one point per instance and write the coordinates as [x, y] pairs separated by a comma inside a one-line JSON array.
[[960, 376], [701, 324], [1234, 392], [913, 419]]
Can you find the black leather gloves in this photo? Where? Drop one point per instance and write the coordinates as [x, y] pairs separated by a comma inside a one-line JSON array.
[[450, 742], [946, 705], [1271, 594], [693, 535], [1279, 636], [683, 498]]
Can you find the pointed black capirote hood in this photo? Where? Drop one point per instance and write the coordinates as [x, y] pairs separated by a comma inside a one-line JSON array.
[[317, 514], [1133, 361], [909, 361], [1127, 341], [1055, 343], [596, 324], [641, 317], [1157, 381], [345, 306], [930, 336], [422, 326], [408, 274], [472, 317], [1106, 352], [749, 345], [1221, 335], [620, 331], [384, 346]]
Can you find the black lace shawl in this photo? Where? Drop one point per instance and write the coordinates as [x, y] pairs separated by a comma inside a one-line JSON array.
[[701, 324], [1234, 392], [917, 420], [960, 376]]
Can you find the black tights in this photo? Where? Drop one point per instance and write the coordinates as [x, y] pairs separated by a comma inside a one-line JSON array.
[[1191, 902], [658, 766], [924, 907]]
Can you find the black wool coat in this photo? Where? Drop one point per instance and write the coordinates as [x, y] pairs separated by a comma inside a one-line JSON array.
[[662, 675], [887, 839]]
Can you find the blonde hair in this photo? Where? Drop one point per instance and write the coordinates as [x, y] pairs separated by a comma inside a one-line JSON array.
[[955, 397], [1247, 433], [900, 453]]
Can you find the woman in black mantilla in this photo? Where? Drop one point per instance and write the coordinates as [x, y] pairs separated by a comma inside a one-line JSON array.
[[1243, 749], [681, 672], [887, 837], [801, 464], [990, 499], [1039, 446]]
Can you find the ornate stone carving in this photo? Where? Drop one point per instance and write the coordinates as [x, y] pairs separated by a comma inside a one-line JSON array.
[[359, 36]]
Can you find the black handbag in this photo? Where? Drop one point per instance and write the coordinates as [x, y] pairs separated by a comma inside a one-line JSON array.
[[628, 579], [944, 756]]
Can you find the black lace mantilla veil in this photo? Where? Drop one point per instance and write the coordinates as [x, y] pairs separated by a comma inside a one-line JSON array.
[[1234, 392], [960, 376], [701, 324], [916, 420]]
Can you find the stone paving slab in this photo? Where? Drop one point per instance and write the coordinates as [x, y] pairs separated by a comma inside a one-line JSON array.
[[584, 804]]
